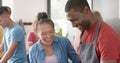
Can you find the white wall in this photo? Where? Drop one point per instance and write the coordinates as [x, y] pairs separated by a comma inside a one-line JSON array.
[[108, 8], [8, 3], [27, 9], [71, 31]]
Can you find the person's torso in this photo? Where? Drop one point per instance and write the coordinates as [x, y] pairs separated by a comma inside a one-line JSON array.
[[59, 50], [53, 58], [19, 56], [87, 49], [89, 38]]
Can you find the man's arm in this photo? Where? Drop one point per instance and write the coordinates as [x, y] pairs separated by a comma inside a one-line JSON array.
[[9, 53]]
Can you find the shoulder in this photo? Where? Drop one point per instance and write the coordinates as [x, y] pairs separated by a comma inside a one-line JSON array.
[[36, 46], [33, 48], [62, 40], [108, 36], [31, 34], [105, 26], [17, 29], [106, 31]]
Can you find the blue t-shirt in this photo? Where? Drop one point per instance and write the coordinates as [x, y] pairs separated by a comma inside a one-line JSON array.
[[15, 33]]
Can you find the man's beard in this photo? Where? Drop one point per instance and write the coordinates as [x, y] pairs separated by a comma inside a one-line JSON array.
[[85, 25]]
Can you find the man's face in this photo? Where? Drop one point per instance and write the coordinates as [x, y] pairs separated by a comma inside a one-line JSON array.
[[3, 20], [78, 19]]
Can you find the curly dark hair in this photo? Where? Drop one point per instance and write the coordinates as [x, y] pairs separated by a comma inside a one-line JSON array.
[[42, 17]]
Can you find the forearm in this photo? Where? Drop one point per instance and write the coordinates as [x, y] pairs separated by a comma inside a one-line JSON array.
[[6, 56], [9, 53]]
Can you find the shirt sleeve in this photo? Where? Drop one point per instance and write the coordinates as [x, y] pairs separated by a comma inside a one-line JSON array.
[[17, 35], [109, 45], [29, 37]]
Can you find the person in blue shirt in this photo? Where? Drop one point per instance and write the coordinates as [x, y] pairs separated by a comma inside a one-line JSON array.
[[50, 48], [14, 39]]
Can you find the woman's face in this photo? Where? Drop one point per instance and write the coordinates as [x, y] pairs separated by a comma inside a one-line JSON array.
[[46, 33]]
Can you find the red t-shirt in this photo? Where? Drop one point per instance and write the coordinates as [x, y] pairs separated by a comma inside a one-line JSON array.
[[32, 37], [108, 42]]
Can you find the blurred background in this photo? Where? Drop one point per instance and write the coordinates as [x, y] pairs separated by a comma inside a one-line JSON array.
[[26, 10]]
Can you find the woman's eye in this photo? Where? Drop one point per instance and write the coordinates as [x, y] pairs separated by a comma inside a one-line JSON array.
[[51, 31], [43, 34]]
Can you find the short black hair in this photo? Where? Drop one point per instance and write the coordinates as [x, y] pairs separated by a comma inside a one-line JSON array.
[[5, 9], [76, 4]]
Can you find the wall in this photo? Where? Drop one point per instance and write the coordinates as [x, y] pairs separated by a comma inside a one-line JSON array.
[[9, 3], [26, 9], [108, 8]]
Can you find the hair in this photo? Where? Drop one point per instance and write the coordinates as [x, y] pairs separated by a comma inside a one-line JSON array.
[[42, 18], [5, 9], [76, 5], [42, 15], [34, 23]]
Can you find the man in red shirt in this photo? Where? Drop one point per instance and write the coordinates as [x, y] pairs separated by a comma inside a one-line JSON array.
[[99, 42]]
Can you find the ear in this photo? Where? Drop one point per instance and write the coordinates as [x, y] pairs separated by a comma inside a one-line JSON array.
[[86, 10]]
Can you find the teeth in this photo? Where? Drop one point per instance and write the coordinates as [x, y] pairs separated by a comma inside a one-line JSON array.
[[48, 39]]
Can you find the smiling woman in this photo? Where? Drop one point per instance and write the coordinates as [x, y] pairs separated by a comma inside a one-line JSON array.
[[50, 48]]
